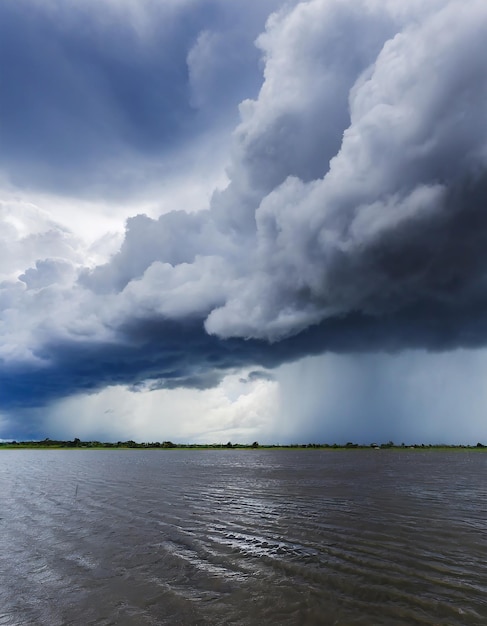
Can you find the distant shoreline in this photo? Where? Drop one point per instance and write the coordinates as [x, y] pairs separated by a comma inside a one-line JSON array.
[[77, 444]]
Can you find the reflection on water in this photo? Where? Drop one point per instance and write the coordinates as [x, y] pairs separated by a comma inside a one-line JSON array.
[[243, 537]]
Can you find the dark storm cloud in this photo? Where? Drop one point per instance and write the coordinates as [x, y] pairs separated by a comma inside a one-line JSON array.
[[88, 88], [257, 375], [354, 220], [157, 354]]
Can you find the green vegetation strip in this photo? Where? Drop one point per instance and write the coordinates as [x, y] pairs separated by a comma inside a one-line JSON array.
[[47, 444]]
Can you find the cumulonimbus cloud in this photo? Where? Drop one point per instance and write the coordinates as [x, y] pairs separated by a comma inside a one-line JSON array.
[[355, 218]]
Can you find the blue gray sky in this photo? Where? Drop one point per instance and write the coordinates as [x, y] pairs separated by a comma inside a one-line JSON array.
[[226, 220]]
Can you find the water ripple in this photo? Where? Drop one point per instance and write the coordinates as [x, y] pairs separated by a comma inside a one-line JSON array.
[[243, 537]]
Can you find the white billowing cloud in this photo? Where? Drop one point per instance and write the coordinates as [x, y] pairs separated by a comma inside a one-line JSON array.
[[48, 272], [28, 234], [353, 141], [335, 156], [176, 291], [365, 116], [238, 410], [39, 261], [415, 128]]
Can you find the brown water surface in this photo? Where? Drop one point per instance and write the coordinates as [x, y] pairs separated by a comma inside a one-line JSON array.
[[243, 537]]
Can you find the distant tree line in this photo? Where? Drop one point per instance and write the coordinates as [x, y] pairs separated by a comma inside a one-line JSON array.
[[77, 443]]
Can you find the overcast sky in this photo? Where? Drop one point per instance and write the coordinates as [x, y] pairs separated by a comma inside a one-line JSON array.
[[231, 220]]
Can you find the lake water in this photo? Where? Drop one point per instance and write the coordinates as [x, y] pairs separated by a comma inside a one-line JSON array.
[[243, 537]]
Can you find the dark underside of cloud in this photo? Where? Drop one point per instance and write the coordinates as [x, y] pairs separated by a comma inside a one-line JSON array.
[[166, 354], [355, 218]]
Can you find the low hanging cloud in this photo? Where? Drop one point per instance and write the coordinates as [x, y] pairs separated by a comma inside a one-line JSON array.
[[354, 219]]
